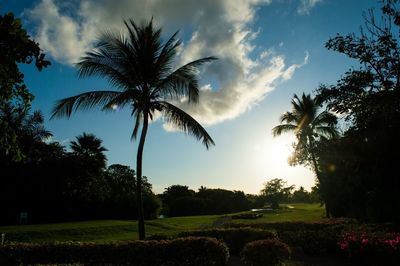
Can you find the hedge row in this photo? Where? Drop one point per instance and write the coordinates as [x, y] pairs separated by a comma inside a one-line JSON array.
[[234, 238], [180, 251], [300, 225]]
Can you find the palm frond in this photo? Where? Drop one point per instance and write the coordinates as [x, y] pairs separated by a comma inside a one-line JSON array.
[[111, 58], [123, 98], [278, 130], [296, 103], [167, 54], [33, 124], [327, 131], [289, 117], [186, 123], [82, 101], [325, 118], [183, 81]]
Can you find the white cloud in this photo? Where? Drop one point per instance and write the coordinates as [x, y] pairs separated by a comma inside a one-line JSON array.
[[306, 6], [61, 35], [220, 28]]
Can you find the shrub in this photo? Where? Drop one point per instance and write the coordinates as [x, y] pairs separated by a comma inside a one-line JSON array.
[[299, 225], [158, 237], [265, 253], [312, 242], [314, 238], [235, 238], [181, 251], [247, 216], [371, 248]]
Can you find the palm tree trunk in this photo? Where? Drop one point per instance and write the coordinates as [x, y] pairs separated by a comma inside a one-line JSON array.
[[139, 177], [315, 165], [318, 175]]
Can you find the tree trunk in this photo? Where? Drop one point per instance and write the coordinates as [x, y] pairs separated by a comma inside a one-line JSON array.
[[142, 234], [315, 165]]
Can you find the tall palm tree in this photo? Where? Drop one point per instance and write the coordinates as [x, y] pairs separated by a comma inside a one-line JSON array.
[[309, 125], [89, 146], [140, 67]]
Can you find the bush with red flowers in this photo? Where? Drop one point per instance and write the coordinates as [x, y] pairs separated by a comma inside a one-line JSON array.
[[371, 248]]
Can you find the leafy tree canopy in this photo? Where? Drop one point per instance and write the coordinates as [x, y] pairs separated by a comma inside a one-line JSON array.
[[275, 191], [16, 47], [359, 168]]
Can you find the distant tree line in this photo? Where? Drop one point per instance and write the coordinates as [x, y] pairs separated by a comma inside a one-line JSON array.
[[51, 183], [178, 200]]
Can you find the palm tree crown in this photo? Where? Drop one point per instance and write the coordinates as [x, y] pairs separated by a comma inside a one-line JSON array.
[[141, 68], [308, 124], [89, 146]]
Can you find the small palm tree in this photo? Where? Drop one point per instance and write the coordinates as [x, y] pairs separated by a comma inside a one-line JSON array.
[[28, 130], [309, 125], [140, 66], [89, 146]]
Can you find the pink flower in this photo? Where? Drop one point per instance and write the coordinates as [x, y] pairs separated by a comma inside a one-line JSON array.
[[391, 242], [364, 241], [344, 246]]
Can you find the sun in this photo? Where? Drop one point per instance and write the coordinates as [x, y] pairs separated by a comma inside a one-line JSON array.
[[278, 152], [274, 153]]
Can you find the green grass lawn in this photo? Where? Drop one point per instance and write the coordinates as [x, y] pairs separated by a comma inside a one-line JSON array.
[[112, 230], [299, 212]]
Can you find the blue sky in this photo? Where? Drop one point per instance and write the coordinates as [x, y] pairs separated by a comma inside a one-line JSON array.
[[268, 50]]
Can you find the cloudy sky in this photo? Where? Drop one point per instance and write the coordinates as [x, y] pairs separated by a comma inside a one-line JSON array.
[[267, 49]]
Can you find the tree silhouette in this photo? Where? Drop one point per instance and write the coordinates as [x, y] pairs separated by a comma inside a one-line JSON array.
[[275, 191], [140, 66], [309, 125], [368, 98], [16, 48], [90, 147], [29, 128]]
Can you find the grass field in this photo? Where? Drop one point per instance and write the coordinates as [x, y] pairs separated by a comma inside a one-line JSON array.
[[112, 230]]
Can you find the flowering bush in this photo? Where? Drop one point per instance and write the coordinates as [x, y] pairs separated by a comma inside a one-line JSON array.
[[371, 248]]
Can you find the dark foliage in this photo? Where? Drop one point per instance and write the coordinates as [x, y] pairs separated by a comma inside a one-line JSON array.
[[303, 196], [313, 238], [182, 251], [181, 201], [276, 191], [53, 185], [247, 216], [268, 252], [235, 238], [16, 48], [358, 170]]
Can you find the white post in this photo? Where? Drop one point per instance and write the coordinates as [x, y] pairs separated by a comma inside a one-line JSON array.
[[2, 238]]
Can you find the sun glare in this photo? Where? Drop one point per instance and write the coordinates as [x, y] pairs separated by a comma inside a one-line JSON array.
[[278, 153], [274, 153], [269, 159]]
